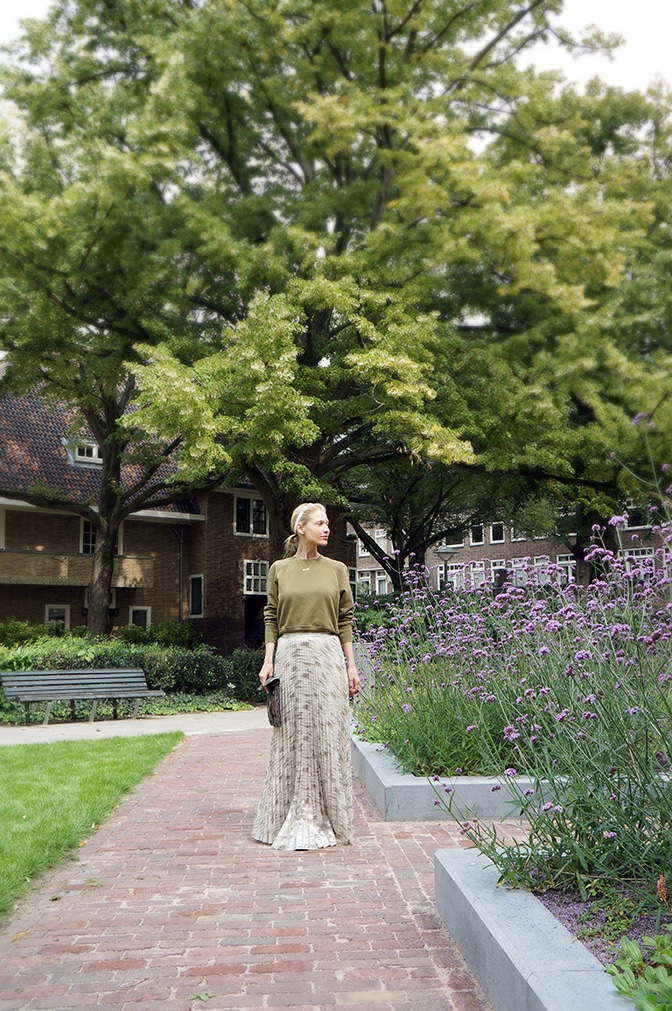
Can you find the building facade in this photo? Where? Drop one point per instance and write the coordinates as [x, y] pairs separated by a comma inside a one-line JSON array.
[[202, 561], [489, 553]]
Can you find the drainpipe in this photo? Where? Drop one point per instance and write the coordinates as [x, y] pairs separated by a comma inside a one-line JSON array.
[[179, 533]]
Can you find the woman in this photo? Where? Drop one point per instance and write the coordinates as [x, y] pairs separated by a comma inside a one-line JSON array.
[[306, 799]]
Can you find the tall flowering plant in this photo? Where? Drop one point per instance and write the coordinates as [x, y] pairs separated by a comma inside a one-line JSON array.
[[569, 685]]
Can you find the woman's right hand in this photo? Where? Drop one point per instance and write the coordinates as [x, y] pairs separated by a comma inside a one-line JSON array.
[[266, 672]]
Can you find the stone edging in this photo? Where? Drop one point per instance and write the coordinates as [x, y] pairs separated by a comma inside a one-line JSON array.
[[524, 959], [401, 797]]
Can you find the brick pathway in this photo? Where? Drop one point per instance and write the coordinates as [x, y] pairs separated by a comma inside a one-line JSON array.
[[171, 906]]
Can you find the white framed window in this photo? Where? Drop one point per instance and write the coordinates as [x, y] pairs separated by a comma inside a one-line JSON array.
[[140, 616], [362, 550], [195, 596], [496, 533], [381, 583], [636, 558], [498, 571], [519, 566], [517, 533], [88, 453], [251, 516], [477, 573], [352, 579], [476, 535], [364, 581], [59, 613], [453, 539], [567, 566], [256, 576], [380, 537], [541, 565], [454, 575], [88, 536]]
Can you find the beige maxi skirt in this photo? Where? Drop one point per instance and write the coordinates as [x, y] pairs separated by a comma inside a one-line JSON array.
[[306, 799]]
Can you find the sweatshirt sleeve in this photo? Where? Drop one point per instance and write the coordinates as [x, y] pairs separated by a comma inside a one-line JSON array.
[[271, 608], [345, 606]]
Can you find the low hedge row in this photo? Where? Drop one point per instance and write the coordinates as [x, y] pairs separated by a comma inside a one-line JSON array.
[[174, 669]]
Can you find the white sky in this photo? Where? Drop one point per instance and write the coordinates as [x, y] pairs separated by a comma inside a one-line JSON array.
[[645, 24]]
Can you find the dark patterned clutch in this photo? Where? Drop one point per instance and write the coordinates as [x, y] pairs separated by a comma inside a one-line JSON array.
[[273, 702]]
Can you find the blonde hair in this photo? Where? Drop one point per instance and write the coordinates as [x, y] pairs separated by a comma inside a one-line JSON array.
[[300, 515]]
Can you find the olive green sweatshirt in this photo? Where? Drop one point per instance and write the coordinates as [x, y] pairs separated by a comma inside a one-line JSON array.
[[308, 595]]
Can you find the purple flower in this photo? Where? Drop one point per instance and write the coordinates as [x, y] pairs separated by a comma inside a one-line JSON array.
[[529, 792], [471, 727], [510, 772], [494, 788], [619, 521], [546, 806]]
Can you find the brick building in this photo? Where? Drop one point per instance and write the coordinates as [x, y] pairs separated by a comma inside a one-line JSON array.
[[487, 551], [203, 561]]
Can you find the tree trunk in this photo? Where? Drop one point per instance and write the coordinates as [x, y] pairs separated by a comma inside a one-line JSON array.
[[101, 581]]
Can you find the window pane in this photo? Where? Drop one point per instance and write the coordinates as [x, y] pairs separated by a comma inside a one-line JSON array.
[[243, 515], [88, 538], [496, 533], [196, 595], [258, 516]]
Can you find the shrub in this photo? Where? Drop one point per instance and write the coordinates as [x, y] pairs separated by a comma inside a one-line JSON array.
[[171, 668], [244, 673], [164, 633]]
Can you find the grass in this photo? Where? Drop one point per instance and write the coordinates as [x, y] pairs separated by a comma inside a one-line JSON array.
[[52, 796]]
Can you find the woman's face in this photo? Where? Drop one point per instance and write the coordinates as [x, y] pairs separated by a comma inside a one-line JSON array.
[[315, 531]]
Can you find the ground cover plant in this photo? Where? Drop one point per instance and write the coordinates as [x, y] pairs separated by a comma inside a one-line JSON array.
[[54, 795], [568, 685]]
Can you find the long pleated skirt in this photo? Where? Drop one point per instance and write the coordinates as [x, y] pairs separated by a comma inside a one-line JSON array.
[[306, 798]]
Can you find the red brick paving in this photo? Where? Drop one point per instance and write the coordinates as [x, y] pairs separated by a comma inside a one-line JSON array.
[[171, 906]]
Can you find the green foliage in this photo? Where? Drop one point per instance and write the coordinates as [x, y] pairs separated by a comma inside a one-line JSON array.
[[245, 665], [163, 633], [644, 971], [174, 669], [14, 632], [566, 685], [53, 795]]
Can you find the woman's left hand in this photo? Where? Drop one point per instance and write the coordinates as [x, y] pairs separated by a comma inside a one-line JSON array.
[[353, 680]]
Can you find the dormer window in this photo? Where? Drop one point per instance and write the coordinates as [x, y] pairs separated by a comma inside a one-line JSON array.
[[88, 452]]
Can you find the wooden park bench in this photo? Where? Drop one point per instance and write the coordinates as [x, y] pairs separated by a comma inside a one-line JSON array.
[[57, 685]]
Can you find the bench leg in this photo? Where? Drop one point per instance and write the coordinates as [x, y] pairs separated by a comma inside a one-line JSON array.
[[92, 714], [47, 714], [135, 709], [26, 706]]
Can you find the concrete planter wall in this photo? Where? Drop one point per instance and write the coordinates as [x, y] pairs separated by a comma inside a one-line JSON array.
[[401, 797], [523, 957]]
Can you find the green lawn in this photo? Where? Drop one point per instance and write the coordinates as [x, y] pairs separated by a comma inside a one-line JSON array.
[[54, 795]]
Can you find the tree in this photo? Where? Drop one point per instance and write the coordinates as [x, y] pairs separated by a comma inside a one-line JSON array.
[[329, 233], [89, 269]]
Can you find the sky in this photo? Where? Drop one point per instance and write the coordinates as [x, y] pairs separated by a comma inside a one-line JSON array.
[[645, 24]]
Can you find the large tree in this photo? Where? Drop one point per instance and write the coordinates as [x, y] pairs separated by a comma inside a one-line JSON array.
[[328, 263]]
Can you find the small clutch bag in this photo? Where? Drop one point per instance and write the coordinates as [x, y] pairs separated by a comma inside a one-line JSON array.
[[273, 701]]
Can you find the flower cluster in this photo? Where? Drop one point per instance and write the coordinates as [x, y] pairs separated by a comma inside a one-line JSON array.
[[558, 681]]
